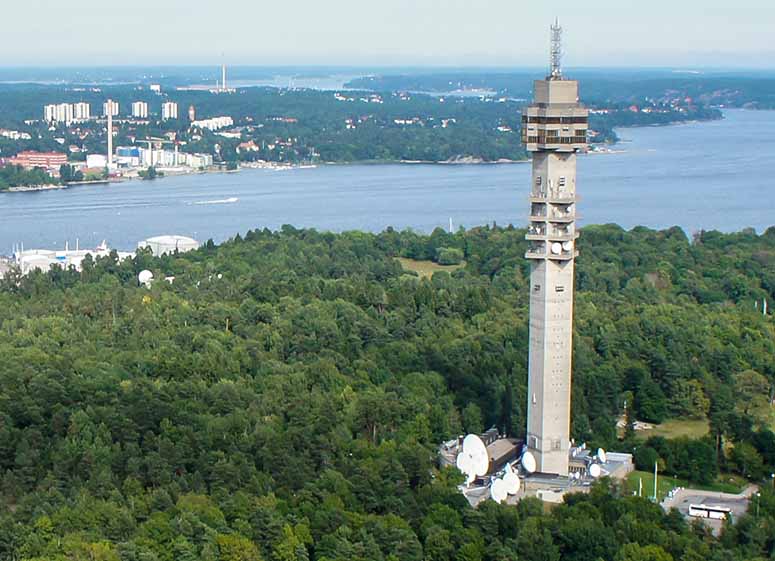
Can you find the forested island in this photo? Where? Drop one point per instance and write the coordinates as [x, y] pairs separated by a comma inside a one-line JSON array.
[[282, 398]]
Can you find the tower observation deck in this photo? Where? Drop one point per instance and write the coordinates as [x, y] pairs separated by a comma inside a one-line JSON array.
[[554, 129]]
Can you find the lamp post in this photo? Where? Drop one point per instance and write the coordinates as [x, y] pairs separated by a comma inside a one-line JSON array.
[[758, 501]]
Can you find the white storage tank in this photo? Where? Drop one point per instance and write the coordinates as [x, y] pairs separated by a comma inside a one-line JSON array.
[[160, 245]]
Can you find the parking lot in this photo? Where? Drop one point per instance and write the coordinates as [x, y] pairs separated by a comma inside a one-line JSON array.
[[738, 504]]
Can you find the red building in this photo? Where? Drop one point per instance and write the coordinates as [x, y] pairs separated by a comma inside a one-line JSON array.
[[48, 160]]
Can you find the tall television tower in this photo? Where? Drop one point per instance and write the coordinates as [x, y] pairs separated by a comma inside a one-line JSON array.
[[554, 129]]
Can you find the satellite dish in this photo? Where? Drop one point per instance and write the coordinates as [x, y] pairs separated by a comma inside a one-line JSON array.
[[145, 277], [512, 482], [529, 462], [601, 455], [477, 452], [498, 490], [595, 471], [567, 246], [556, 248], [472, 459]]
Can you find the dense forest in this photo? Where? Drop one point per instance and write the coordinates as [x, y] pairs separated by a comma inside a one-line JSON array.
[[282, 397]]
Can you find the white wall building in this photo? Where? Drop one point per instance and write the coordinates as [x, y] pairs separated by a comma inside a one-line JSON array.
[[214, 124], [169, 110], [140, 110], [96, 161]]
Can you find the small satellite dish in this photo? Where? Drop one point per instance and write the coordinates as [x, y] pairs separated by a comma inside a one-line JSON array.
[[595, 471], [601, 455], [529, 462], [556, 248], [567, 246], [512, 482], [145, 278], [498, 491]]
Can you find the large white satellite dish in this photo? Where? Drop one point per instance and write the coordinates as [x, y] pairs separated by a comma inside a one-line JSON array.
[[512, 482], [595, 471], [472, 459], [477, 451], [567, 246], [498, 491], [601, 455], [556, 248], [529, 462]]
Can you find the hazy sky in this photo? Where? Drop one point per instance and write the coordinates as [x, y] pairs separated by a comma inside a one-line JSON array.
[[387, 32]]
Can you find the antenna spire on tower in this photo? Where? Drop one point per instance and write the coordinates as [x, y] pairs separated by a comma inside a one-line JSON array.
[[556, 51]]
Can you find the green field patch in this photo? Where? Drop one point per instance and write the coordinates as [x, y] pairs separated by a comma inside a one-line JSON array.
[[726, 483], [677, 428], [425, 269]]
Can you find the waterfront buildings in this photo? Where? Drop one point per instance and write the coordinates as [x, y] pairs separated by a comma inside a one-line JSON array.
[[140, 110], [169, 110], [554, 129], [50, 161]]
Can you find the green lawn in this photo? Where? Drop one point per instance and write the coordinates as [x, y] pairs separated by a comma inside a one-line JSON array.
[[725, 484], [676, 428], [426, 268]]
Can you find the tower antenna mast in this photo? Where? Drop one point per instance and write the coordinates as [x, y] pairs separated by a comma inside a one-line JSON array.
[[556, 62]]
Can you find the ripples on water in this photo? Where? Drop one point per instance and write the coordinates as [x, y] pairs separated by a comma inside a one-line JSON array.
[[697, 176]]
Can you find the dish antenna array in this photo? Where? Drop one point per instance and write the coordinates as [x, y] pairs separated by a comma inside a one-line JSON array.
[[504, 486], [473, 459]]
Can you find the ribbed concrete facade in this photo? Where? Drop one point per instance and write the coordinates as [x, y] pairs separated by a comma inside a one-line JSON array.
[[554, 129]]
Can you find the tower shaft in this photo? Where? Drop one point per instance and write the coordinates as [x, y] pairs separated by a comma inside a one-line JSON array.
[[554, 129]]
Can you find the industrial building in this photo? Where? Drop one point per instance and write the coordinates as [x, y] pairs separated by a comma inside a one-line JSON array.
[[161, 245], [44, 259], [554, 129]]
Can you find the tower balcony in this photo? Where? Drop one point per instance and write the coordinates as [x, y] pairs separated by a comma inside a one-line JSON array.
[[544, 254], [556, 197]]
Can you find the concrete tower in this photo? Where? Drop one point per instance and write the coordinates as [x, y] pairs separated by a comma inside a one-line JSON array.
[[554, 129]]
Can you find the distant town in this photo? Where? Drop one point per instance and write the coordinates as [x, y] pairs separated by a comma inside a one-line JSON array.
[[83, 134]]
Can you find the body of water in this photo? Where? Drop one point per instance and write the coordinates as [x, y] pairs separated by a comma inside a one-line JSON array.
[[713, 175]]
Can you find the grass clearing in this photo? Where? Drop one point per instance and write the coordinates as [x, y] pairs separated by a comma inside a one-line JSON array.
[[726, 483], [677, 428], [425, 269]]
